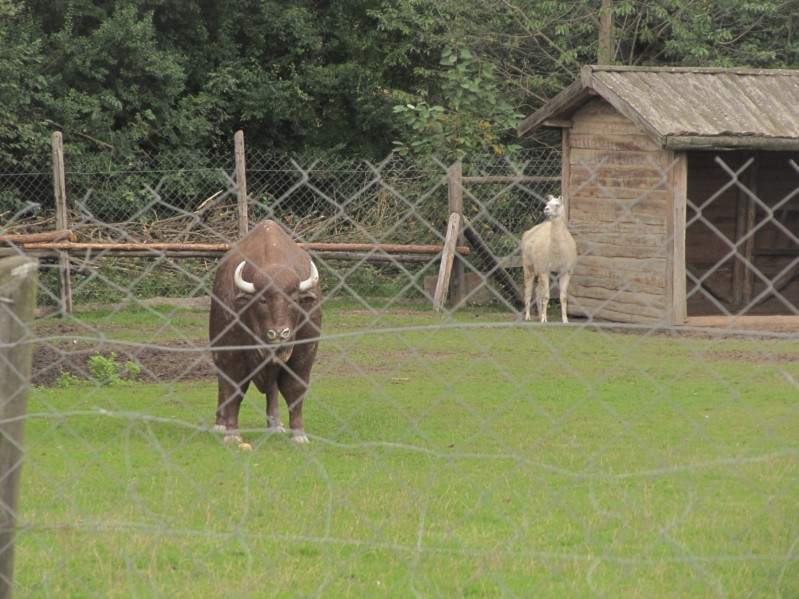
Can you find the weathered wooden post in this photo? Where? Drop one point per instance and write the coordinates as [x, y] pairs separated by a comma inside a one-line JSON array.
[[18, 277], [241, 184], [61, 222], [455, 193], [447, 258]]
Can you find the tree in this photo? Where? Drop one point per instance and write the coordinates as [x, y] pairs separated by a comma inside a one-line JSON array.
[[471, 116], [113, 84], [536, 48], [320, 76], [22, 126], [727, 33]]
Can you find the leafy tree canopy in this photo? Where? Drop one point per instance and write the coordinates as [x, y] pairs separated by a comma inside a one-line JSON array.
[[351, 76]]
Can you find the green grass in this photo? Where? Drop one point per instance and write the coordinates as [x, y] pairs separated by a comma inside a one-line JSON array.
[[472, 456]]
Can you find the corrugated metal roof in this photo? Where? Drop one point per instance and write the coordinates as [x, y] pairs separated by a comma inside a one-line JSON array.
[[684, 108]]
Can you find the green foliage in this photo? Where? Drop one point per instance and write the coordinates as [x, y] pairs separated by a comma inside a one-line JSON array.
[[21, 82], [130, 369], [118, 279], [711, 33], [333, 77], [116, 82], [65, 380], [472, 115], [370, 281], [107, 371]]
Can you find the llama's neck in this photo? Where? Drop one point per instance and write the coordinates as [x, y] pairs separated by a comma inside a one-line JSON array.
[[558, 233]]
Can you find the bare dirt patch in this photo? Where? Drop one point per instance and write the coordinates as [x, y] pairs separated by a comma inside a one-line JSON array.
[[190, 360], [168, 362]]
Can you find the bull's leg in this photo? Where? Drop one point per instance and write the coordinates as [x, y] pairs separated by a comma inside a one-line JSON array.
[[563, 283], [273, 407], [228, 404], [529, 278], [293, 390]]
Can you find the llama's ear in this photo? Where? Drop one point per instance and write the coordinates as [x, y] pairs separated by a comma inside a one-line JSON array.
[[550, 197]]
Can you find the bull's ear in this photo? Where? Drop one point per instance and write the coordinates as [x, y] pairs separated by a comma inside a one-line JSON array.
[[307, 297]]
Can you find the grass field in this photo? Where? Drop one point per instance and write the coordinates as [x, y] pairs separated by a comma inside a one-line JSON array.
[[467, 457]]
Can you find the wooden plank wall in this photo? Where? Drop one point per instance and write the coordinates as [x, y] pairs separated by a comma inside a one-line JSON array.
[[618, 196]]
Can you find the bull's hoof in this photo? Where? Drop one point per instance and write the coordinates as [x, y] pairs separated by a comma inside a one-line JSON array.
[[298, 437], [219, 428], [233, 437]]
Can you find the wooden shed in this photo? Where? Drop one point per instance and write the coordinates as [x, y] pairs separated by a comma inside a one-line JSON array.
[[682, 190]]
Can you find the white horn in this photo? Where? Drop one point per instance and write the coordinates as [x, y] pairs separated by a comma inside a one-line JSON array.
[[310, 281], [241, 283]]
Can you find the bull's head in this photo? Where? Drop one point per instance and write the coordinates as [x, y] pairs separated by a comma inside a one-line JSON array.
[[248, 287], [279, 306]]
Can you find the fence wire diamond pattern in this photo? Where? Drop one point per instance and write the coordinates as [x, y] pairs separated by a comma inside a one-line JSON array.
[[452, 453]]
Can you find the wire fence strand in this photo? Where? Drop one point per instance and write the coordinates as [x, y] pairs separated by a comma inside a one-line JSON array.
[[466, 452]]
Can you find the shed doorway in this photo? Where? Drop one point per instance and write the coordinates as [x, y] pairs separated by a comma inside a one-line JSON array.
[[742, 233]]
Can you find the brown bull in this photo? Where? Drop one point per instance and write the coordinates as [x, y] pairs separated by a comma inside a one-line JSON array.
[[265, 321]]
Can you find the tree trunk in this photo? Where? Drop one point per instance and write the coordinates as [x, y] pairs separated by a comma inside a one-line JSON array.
[[605, 51]]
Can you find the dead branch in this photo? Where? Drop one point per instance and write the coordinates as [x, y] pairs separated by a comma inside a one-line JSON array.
[[24, 238]]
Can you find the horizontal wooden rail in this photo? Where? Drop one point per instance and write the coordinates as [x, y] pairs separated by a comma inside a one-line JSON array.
[[215, 254], [23, 238], [506, 179], [223, 247]]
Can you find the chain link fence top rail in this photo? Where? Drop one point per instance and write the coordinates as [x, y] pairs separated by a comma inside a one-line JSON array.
[[453, 454]]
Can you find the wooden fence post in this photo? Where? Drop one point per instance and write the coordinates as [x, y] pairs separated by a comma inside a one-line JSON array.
[[455, 193], [61, 222], [447, 256], [18, 276], [241, 184]]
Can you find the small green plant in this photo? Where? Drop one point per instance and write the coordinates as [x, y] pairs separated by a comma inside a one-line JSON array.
[[107, 371], [132, 369], [66, 379]]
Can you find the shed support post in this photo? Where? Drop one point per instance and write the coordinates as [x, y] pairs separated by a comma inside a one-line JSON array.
[[742, 275], [676, 298]]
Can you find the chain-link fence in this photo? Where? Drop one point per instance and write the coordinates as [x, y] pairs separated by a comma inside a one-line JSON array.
[[192, 199], [461, 453], [304, 190]]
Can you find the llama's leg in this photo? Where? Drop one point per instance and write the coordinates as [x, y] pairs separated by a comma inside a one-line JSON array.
[[529, 277], [563, 283], [543, 295]]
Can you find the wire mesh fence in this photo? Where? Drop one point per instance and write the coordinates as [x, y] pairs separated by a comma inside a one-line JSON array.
[[457, 453]]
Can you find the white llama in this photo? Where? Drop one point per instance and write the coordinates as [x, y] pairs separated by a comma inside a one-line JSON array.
[[548, 248]]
